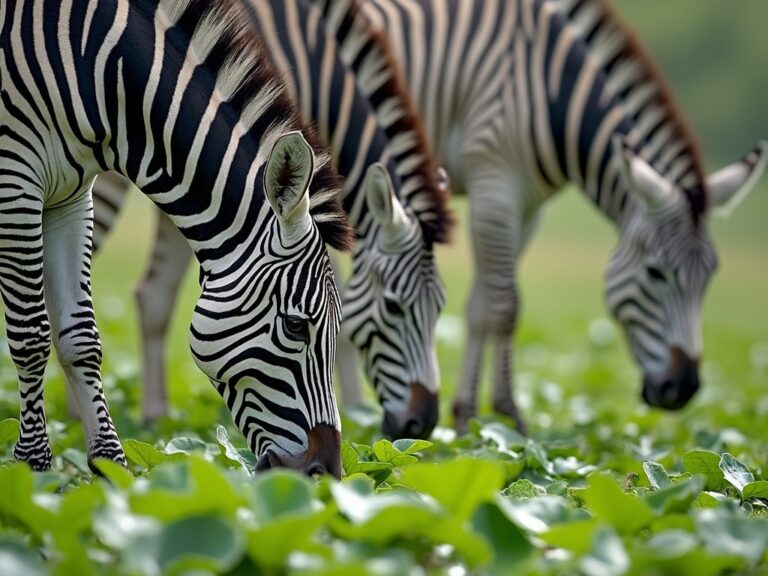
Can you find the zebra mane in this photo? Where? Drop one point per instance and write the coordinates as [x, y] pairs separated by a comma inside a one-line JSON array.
[[225, 40], [377, 59], [636, 79]]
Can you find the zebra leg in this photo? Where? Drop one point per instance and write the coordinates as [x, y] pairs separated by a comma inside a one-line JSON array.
[[27, 327], [67, 265], [497, 234], [155, 297], [465, 403], [347, 358]]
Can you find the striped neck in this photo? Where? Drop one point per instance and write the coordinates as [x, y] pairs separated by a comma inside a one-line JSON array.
[[197, 146]]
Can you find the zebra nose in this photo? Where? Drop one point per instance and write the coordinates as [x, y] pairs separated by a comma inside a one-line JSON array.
[[420, 417], [323, 454], [678, 385]]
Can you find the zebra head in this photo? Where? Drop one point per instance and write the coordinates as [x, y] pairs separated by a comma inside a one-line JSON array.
[[266, 335], [392, 302], [658, 274]]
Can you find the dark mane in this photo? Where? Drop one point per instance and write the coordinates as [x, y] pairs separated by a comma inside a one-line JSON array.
[[224, 33], [430, 201], [601, 25]]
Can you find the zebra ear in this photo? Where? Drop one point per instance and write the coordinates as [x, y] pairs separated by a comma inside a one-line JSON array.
[[729, 186], [383, 202], [287, 176], [652, 188]]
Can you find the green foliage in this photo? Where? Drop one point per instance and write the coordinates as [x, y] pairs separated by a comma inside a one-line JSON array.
[[196, 507]]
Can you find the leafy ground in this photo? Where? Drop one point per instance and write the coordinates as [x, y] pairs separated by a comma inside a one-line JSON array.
[[603, 486]]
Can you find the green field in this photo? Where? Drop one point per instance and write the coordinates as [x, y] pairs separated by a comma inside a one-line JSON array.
[[197, 509]]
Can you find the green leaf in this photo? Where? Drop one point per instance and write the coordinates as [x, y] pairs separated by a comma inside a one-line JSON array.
[[16, 558], [609, 503], [281, 492], [195, 487], [727, 533], [17, 506], [676, 497], [706, 463], [757, 489], [408, 446], [510, 546], [239, 456], [186, 445], [116, 474], [385, 451], [460, 485], [194, 545], [735, 472], [607, 556], [537, 515], [657, 475], [143, 454], [574, 536], [9, 431]]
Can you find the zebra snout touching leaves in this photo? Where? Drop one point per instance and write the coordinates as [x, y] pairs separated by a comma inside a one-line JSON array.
[[177, 97], [391, 306], [658, 274]]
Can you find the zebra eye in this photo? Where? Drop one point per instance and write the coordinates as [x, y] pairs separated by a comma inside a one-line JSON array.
[[655, 273], [296, 328], [393, 307]]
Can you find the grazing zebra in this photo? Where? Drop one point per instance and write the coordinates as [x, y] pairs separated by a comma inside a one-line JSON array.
[[175, 96], [521, 97], [398, 210]]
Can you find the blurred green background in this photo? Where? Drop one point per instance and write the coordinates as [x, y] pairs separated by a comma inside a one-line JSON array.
[[571, 363]]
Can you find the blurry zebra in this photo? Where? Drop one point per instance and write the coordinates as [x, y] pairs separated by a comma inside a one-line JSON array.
[[177, 97], [398, 211], [519, 101]]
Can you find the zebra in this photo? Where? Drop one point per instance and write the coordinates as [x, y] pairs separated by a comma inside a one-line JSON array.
[[395, 198], [521, 97], [208, 134]]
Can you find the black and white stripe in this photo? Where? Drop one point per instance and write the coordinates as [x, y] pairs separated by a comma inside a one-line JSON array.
[[394, 295], [523, 96], [175, 96]]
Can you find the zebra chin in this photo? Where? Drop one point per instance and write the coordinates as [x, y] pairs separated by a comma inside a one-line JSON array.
[[675, 388], [420, 417], [323, 456]]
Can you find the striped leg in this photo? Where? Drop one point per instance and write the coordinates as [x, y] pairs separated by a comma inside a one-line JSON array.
[[155, 297], [27, 327], [497, 232], [67, 237], [465, 403]]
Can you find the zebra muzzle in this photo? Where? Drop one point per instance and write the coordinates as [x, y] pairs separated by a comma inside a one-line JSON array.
[[323, 455]]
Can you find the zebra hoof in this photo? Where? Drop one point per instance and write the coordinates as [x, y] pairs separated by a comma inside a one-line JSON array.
[[462, 414], [508, 408], [37, 456]]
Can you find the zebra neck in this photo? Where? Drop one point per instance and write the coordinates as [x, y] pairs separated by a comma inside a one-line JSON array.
[[187, 144], [329, 97]]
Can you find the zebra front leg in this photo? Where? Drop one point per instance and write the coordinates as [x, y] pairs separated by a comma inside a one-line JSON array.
[[504, 326], [67, 266], [497, 234], [465, 402], [27, 327], [155, 297]]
